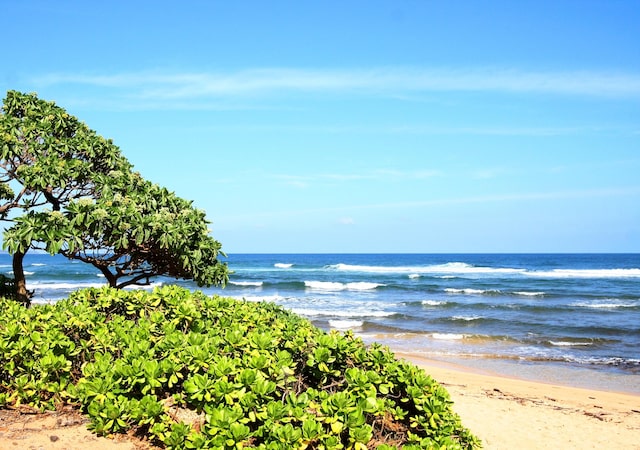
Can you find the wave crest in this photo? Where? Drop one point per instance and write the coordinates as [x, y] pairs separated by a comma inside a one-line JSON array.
[[336, 286], [447, 268], [587, 273], [472, 291], [345, 324], [347, 314], [447, 336], [609, 304], [246, 283]]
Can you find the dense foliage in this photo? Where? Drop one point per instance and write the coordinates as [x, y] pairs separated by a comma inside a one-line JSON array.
[[49, 155], [192, 371], [67, 190], [131, 231], [47, 158]]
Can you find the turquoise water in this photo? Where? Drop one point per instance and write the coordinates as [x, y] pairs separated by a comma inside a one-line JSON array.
[[576, 310]]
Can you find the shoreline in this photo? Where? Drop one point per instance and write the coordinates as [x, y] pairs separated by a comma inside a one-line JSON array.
[[545, 372], [603, 377], [508, 412]]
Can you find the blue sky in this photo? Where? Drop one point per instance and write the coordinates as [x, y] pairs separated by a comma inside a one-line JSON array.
[[377, 126]]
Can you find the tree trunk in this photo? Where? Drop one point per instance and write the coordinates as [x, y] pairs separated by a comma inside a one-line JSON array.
[[22, 295], [111, 278]]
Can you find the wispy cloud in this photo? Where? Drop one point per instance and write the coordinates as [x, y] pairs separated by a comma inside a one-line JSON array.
[[346, 221], [526, 196], [630, 191], [489, 173], [418, 129], [383, 175], [389, 81]]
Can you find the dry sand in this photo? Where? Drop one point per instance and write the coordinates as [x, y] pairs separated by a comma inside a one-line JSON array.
[[505, 413], [509, 413], [57, 430]]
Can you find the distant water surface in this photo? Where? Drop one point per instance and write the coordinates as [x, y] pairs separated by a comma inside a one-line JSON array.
[[520, 311]]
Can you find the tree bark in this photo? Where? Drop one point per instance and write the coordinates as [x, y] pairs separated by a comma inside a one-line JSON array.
[[22, 295], [111, 278]]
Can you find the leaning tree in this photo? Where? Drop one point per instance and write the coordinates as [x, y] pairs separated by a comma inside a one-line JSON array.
[[79, 197], [131, 230], [47, 158]]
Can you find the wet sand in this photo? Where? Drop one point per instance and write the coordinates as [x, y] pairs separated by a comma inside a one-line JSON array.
[[508, 413]]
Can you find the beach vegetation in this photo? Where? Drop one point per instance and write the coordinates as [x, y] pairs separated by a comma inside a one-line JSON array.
[[187, 370], [66, 190]]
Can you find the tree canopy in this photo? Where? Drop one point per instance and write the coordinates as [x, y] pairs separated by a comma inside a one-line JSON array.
[[80, 197], [50, 155]]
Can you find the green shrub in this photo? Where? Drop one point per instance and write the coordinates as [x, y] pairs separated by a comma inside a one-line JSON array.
[[192, 371]]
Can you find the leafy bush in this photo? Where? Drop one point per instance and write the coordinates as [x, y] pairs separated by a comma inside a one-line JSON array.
[[192, 371]]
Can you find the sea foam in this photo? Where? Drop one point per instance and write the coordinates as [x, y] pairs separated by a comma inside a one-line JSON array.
[[336, 286], [345, 324], [447, 336], [246, 283], [433, 303], [448, 268], [607, 304], [340, 313], [264, 298], [65, 286], [586, 273], [466, 318], [569, 344], [471, 291], [146, 287], [25, 272]]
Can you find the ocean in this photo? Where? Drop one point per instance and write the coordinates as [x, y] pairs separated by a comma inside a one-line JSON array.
[[569, 318]]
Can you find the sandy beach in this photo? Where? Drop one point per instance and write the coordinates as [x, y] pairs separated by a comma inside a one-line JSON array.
[[508, 413]]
